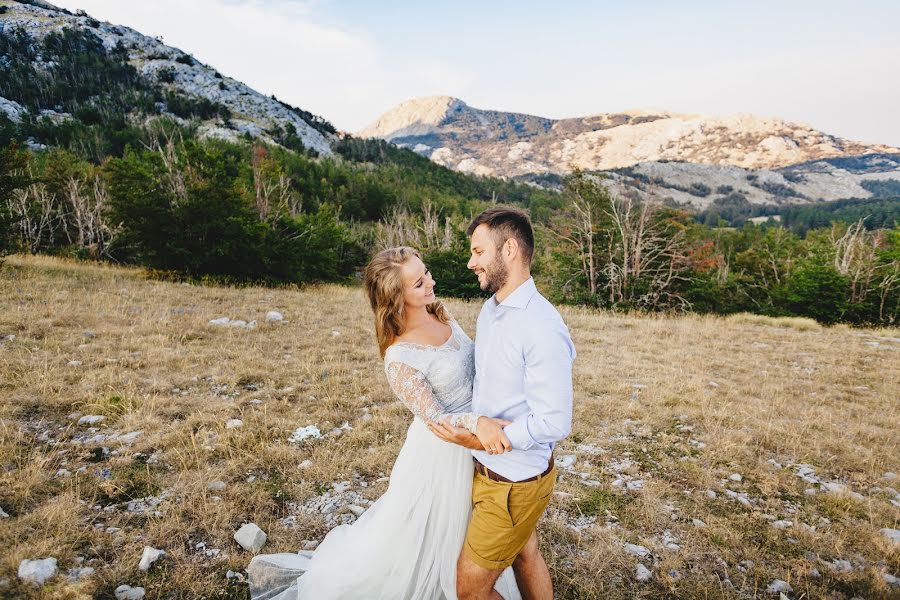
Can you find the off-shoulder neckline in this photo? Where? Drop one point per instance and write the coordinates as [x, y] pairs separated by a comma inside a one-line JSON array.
[[429, 346]]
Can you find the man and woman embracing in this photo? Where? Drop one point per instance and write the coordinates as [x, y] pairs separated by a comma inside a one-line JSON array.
[[476, 470]]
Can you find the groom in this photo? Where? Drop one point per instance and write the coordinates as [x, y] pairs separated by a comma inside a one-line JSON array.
[[523, 374]]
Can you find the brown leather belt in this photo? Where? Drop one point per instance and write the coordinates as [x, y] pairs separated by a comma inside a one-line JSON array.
[[480, 468]]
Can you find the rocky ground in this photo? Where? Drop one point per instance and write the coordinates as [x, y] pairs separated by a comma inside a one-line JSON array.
[[154, 435]]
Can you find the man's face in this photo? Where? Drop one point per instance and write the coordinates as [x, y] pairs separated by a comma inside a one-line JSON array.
[[486, 260]]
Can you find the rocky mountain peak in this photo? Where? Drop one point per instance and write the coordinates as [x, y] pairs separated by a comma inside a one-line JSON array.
[[415, 117]]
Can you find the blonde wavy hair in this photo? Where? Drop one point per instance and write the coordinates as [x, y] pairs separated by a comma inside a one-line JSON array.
[[384, 286]]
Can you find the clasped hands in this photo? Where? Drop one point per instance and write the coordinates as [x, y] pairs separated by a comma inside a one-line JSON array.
[[489, 435]]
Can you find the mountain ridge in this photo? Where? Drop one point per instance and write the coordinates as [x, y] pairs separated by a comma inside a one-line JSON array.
[[488, 142]]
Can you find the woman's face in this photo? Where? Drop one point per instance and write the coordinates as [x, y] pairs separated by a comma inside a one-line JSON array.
[[418, 286]]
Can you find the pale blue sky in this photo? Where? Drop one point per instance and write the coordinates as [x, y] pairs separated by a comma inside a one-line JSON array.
[[833, 65]]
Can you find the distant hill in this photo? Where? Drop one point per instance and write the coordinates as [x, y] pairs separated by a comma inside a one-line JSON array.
[[115, 68], [680, 157]]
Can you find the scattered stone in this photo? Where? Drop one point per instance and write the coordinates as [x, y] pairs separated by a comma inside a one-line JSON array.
[[310, 431], [126, 592], [839, 488], [642, 573], [74, 363], [637, 484], [562, 495], [890, 580], [37, 571], [310, 545], [305, 464], [745, 565], [149, 556], [735, 477], [273, 316], [226, 322], [698, 523], [335, 333], [777, 586], [784, 524], [713, 384], [842, 565], [216, 486], [77, 573], [129, 438], [250, 537], [639, 551], [890, 476], [91, 419], [356, 510], [233, 424], [711, 494], [3, 514], [893, 535]]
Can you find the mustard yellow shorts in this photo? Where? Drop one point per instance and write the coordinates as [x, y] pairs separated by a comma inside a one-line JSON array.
[[503, 517]]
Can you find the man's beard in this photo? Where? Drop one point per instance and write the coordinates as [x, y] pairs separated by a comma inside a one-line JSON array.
[[495, 276]]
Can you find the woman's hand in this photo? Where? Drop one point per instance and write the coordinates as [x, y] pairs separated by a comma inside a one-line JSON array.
[[491, 435], [455, 435]]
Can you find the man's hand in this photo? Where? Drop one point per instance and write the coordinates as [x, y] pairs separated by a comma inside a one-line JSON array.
[[455, 435], [491, 435]]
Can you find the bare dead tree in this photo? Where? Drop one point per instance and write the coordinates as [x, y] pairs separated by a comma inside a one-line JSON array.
[[856, 259], [34, 210]]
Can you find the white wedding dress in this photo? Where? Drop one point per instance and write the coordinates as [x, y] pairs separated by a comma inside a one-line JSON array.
[[406, 544]]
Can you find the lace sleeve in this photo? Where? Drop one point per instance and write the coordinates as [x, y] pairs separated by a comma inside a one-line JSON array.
[[413, 389]]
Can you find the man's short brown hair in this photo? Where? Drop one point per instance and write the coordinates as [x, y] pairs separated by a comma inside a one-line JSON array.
[[504, 223]]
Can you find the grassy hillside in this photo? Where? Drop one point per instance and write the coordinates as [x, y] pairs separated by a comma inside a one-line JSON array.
[[668, 412]]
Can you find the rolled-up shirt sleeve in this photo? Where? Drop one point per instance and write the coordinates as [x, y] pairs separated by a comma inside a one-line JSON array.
[[548, 355]]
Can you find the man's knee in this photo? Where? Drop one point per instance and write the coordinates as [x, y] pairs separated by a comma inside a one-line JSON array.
[[473, 580]]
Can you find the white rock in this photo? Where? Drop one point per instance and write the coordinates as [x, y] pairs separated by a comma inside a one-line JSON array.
[[778, 586], [335, 333], [302, 433], [233, 424], [216, 486], [310, 545], [713, 384], [273, 316], [250, 537], [890, 476], [129, 438], [37, 571], [356, 510], [890, 580], [566, 461], [305, 464], [220, 321], [74, 363], [3, 514], [77, 573], [735, 477], [642, 573], [91, 419], [637, 484], [784, 524], [842, 565], [149, 556], [698, 523], [639, 551], [892, 534], [126, 592]]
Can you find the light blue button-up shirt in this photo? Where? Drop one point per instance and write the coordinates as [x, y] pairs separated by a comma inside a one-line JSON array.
[[523, 373]]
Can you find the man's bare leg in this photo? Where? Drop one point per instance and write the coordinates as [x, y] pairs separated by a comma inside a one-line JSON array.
[[532, 573], [474, 582]]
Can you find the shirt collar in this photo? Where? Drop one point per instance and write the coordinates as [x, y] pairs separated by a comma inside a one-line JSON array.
[[521, 296]]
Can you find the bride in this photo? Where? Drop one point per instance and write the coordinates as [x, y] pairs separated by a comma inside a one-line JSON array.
[[407, 543]]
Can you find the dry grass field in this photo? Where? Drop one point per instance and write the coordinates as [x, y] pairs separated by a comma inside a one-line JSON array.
[[721, 454]]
